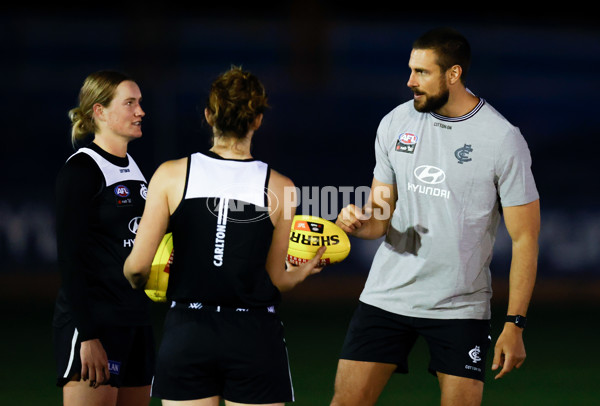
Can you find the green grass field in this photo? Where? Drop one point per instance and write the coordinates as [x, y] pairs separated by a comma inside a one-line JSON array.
[[561, 368]]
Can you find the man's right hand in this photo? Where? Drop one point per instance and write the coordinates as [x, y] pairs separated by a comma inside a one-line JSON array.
[[351, 219]]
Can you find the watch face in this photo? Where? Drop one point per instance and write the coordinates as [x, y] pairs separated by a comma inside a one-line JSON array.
[[520, 321]]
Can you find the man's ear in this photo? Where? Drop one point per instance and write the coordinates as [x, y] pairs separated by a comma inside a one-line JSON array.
[[453, 74]]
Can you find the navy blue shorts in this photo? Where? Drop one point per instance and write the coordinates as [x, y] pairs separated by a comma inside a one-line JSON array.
[[457, 346], [237, 354], [130, 351]]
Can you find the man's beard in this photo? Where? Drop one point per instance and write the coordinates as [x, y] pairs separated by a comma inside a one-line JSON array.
[[434, 102]]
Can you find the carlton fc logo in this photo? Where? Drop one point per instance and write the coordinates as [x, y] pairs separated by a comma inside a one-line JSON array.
[[143, 190], [462, 154], [474, 354], [407, 142]]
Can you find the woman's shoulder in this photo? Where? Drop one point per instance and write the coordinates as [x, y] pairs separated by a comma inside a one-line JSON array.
[[170, 169], [174, 164], [279, 179]]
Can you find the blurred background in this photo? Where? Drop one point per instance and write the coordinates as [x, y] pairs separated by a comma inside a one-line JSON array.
[[332, 71]]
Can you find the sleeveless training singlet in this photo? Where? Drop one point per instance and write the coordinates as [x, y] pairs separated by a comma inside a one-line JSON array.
[[222, 234]]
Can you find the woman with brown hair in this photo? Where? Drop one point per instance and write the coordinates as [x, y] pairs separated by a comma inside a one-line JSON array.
[[223, 338]]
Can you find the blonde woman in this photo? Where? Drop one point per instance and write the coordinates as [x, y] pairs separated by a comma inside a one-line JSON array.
[[223, 338], [103, 337]]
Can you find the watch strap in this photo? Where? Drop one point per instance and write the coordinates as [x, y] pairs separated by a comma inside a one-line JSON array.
[[520, 321]]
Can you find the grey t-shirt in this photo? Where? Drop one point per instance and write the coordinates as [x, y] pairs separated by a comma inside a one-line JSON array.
[[453, 175]]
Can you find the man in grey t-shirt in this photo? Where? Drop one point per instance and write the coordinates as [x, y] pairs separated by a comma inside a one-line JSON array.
[[448, 166]]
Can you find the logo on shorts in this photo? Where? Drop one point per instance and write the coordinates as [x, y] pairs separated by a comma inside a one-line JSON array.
[[114, 367], [474, 354]]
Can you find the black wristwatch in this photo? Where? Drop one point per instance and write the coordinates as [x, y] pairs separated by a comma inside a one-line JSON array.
[[520, 321]]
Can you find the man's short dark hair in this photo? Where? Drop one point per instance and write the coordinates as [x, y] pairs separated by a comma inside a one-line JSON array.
[[451, 47]]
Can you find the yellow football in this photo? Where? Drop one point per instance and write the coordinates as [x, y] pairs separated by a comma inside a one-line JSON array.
[[156, 287], [309, 233]]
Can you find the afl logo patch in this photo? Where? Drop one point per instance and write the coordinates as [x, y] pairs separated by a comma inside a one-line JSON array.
[[408, 138], [407, 142], [121, 191]]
